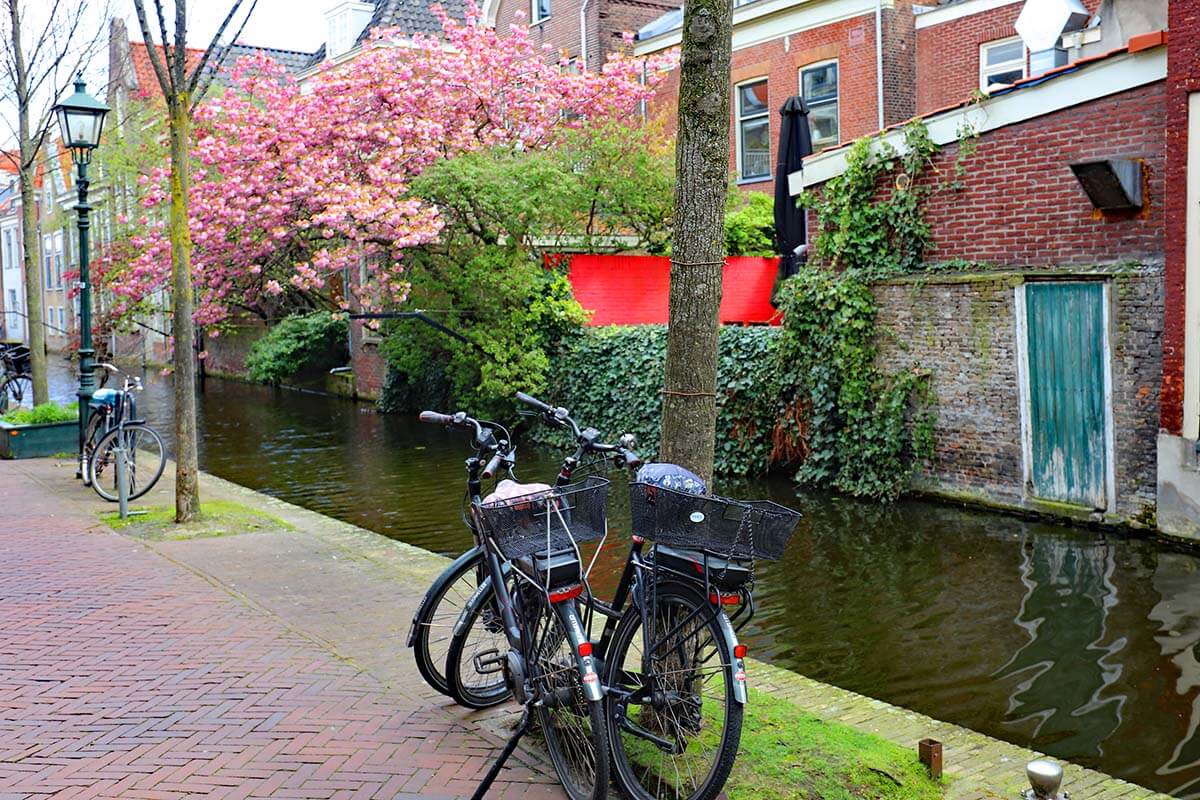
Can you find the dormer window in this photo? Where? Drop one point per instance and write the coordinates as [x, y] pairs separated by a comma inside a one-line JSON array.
[[344, 22]]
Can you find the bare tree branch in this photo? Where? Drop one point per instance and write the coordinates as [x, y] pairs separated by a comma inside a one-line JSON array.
[[156, 58], [194, 80]]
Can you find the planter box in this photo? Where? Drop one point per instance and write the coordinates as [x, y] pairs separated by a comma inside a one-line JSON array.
[[37, 441]]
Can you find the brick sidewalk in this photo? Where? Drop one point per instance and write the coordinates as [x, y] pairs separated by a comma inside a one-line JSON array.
[[124, 673]]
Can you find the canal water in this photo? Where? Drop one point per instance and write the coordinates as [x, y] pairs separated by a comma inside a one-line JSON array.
[[1079, 643]]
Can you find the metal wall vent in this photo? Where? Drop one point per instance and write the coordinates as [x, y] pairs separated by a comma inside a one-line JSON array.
[[1114, 184]]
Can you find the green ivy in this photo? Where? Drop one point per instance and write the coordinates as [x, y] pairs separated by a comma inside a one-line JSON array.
[[611, 378], [312, 342]]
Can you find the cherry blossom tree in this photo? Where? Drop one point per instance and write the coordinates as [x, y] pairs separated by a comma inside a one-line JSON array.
[[292, 184]]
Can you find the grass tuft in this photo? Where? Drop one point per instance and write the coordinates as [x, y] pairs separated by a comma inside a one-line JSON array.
[[217, 518]]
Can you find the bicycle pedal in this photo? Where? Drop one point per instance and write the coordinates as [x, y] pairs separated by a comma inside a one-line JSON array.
[[489, 662]]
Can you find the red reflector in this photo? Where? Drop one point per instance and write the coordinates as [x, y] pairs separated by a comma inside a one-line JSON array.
[[584, 649], [739, 651], [638, 539], [570, 593], [725, 599]]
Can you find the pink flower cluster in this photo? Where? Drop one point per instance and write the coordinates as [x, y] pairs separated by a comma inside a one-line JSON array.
[[291, 185]]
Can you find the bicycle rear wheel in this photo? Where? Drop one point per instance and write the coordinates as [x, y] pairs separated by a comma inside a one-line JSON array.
[[674, 723], [16, 392], [574, 727], [433, 626], [146, 456]]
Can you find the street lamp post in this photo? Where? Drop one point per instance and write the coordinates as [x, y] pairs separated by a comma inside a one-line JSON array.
[[80, 120]]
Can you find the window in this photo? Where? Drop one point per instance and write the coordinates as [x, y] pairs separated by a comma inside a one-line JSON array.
[[819, 88], [753, 131], [58, 259], [48, 261], [541, 11], [14, 309], [1001, 63]]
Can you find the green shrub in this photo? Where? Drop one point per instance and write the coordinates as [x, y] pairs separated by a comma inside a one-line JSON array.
[[298, 343], [43, 414], [612, 377], [750, 226]]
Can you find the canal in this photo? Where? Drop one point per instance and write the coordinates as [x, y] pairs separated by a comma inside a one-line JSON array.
[[1079, 643]]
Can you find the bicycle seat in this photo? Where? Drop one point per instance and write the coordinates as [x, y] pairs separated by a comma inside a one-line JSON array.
[[723, 572], [105, 398], [555, 570]]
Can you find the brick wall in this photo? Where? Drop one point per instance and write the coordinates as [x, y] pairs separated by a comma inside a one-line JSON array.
[[947, 55], [1183, 78], [369, 367], [607, 21], [1021, 205], [899, 63], [227, 352], [963, 331]]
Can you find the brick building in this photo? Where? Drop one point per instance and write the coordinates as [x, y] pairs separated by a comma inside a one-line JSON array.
[[1178, 468], [1063, 308]]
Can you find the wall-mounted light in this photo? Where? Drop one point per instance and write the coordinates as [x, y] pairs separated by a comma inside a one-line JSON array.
[[1114, 184]]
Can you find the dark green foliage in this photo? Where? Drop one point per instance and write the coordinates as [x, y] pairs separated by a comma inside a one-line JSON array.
[[43, 414], [611, 378], [750, 226], [298, 343], [487, 277], [863, 428]]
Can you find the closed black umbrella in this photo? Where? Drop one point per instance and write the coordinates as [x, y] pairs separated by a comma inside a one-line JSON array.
[[795, 142]]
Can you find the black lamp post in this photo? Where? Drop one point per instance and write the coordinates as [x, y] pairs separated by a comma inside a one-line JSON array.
[[80, 120]]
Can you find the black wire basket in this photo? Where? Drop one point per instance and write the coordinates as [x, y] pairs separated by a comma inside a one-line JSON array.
[[17, 357], [741, 530], [549, 521]]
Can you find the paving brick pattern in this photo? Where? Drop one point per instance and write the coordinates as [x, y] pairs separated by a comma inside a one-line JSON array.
[[123, 674]]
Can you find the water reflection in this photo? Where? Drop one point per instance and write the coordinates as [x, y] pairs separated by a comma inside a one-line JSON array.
[[1075, 642]]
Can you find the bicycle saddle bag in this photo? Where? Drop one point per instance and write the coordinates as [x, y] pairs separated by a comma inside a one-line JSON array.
[[722, 572], [554, 571], [105, 398], [672, 476]]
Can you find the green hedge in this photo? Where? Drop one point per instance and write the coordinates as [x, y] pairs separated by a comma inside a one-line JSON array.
[[611, 378], [44, 414], [299, 343]]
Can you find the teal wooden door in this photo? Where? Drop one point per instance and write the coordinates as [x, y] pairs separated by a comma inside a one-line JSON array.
[[1067, 406]]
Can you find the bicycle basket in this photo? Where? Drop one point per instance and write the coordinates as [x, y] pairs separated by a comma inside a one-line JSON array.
[[741, 530], [19, 357], [548, 521]]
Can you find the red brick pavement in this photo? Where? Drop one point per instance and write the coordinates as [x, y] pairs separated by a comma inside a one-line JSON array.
[[125, 675]]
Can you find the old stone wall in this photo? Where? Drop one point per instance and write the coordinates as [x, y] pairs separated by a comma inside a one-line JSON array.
[[227, 352], [963, 330]]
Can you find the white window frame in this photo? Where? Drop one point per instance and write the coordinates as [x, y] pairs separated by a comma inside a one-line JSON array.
[[535, 9], [837, 101], [1006, 66], [738, 119]]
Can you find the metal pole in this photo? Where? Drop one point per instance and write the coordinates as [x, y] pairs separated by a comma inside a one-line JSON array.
[[87, 375], [122, 465]]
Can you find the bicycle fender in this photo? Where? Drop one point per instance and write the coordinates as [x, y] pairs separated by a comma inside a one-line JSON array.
[[448, 574], [586, 664], [739, 665], [479, 598]]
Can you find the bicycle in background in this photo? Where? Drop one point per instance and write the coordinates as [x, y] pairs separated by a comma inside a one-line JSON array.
[[113, 424], [16, 382]]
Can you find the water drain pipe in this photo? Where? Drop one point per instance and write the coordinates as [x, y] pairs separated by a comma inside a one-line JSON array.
[[879, 58], [583, 54]]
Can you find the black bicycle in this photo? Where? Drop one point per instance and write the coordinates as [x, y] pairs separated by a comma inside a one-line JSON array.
[[16, 382], [547, 663], [674, 671], [113, 426]]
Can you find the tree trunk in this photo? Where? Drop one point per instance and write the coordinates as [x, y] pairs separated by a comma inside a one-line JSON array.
[[30, 240], [187, 467], [698, 245]]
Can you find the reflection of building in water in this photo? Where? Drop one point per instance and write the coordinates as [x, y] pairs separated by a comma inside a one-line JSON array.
[[1178, 612], [1062, 675]]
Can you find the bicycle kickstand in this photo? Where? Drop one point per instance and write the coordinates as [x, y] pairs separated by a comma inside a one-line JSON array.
[[509, 747]]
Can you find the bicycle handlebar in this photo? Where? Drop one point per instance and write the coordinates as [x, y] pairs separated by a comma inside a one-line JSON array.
[[436, 418], [493, 466], [561, 416]]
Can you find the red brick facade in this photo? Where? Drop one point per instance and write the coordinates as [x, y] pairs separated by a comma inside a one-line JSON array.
[[1022, 206], [1183, 78], [370, 368], [948, 54], [607, 22]]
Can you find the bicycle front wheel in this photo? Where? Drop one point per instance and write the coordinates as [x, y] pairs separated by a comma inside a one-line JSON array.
[[16, 392], [433, 626], [145, 454], [574, 727], [675, 724]]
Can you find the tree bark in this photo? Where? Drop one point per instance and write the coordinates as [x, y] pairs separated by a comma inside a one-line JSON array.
[[698, 245], [187, 465], [27, 147]]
